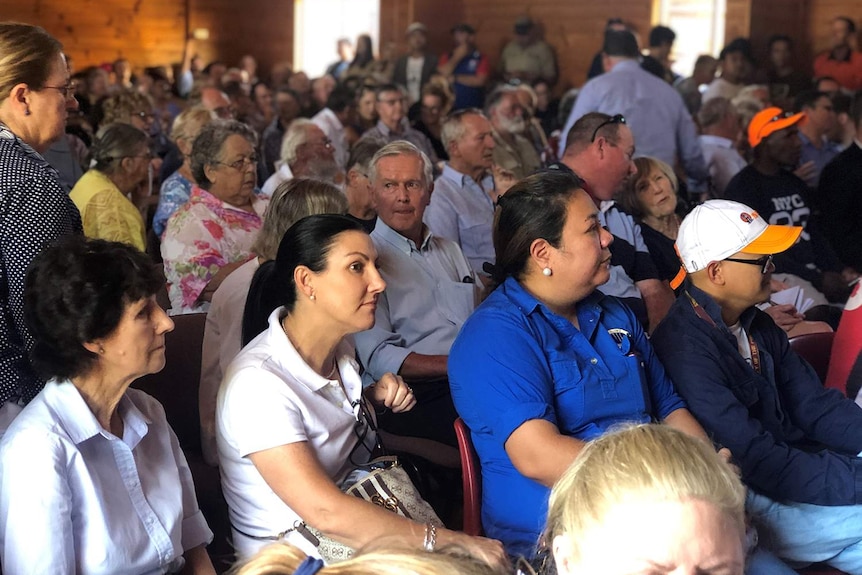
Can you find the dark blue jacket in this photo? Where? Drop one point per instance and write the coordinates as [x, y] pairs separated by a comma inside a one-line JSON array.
[[794, 440]]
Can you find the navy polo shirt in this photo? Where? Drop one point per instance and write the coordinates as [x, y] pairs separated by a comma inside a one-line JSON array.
[[515, 360]]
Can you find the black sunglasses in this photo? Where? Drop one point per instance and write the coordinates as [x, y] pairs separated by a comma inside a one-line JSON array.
[[617, 119], [364, 423], [765, 263]]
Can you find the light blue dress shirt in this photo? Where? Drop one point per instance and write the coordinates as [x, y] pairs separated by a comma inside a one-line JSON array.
[[74, 498], [461, 210], [654, 111], [430, 291], [820, 156]]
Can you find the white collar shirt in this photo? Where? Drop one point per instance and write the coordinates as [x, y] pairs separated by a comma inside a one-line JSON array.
[[723, 161], [74, 498], [329, 123], [270, 397]]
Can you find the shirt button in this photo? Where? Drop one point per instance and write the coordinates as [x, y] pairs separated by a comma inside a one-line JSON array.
[[594, 361]]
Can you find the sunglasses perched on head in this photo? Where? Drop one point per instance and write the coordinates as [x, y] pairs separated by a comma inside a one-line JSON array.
[[613, 120]]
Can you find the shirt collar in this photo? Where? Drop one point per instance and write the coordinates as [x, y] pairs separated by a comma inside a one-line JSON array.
[[286, 356], [390, 236], [384, 129], [75, 416], [525, 301], [626, 65], [199, 194], [717, 141], [712, 308], [461, 179]]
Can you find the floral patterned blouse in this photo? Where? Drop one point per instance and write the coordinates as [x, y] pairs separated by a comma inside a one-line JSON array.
[[201, 237]]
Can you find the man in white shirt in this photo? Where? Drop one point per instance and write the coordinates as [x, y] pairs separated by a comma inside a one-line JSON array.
[[719, 124], [306, 152], [734, 64], [414, 69]]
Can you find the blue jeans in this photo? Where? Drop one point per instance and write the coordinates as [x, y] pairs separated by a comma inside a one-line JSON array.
[[801, 533]]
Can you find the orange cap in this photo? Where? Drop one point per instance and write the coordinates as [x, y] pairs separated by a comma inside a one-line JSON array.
[[768, 121]]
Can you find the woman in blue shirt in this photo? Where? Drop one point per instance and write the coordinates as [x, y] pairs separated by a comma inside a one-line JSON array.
[[547, 362]]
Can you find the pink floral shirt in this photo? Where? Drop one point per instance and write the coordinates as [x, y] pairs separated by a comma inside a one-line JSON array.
[[201, 237]]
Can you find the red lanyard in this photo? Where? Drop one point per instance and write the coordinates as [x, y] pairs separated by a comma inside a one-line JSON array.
[[701, 313]]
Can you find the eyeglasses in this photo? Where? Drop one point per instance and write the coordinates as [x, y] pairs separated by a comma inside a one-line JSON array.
[[392, 101], [617, 119], [765, 263], [364, 423], [241, 163], [68, 90]]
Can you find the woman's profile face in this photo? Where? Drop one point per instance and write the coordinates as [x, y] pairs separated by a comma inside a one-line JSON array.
[[686, 537], [366, 105], [348, 288], [655, 194], [233, 172], [49, 105], [583, 261], [136, 347]]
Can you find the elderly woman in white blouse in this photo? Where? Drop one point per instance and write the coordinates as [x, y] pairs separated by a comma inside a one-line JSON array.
[[92, 478]]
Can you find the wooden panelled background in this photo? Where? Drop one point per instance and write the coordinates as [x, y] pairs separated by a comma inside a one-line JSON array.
[[150, 32]]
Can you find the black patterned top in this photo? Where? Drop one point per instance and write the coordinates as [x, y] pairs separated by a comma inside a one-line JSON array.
[[34, 211]]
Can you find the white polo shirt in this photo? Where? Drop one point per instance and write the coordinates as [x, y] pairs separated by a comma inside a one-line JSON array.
[[271, 397]]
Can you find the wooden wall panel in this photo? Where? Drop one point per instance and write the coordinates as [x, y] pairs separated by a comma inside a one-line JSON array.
[[769, 17], [152, 32], [821, 13], [575, 27]]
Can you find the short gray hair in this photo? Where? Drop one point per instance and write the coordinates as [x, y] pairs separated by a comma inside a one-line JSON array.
[[296, 135], [401, 148], [209, 143], [714, 111], [453, 128], [114, 142]]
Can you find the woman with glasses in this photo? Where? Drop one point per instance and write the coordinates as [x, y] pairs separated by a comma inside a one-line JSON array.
[[213, 233], [547, 362], [121, 157], [35, 94], [293, 420]]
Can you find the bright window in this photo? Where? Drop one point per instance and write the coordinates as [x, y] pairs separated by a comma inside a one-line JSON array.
[[699, 27], [320, 23]]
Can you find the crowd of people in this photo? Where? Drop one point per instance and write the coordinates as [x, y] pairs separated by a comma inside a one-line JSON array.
[[597, 286]]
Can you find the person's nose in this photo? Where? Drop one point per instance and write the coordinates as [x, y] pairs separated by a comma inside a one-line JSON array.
[[378, 284], [605, 237], [163, 321]]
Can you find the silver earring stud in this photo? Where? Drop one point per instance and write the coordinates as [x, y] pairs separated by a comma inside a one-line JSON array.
[[547, 272]]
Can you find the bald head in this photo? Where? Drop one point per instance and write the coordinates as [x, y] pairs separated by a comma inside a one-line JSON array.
[[214, 100]]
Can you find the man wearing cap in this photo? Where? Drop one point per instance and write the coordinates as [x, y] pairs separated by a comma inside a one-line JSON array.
[[414, 69], [599, 149], [768, 186], [795, 442], [527, 58], [468, 69], [655, 112]]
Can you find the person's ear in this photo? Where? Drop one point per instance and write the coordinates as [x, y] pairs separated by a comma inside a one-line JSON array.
[[19, 98], [210, 171], [541, 252], [715, 272], [94, 347], [303, 278]]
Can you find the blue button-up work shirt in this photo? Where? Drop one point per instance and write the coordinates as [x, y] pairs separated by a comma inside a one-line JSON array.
[[515, 360]]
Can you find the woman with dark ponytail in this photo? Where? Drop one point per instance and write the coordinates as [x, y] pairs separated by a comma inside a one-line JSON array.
[[292, 416], [547, 362]]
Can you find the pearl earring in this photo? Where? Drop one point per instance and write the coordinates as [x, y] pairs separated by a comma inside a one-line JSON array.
[[312, 297], [547, 272]]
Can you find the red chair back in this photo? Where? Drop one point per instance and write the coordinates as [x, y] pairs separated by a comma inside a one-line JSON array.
[[472, 480], [816, 349]]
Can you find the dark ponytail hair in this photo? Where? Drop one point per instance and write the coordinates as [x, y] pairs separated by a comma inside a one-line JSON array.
[[533, 208], [305, 243]]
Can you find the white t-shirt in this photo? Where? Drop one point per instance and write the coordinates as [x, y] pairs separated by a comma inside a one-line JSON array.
[[742, 342], [270, 397], [414, 78]]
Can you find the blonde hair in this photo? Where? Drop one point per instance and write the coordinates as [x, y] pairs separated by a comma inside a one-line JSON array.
[[283, 559], [190, 122], [291, 201], [120, 107], [628, 196], [26, 56], [654, 462]]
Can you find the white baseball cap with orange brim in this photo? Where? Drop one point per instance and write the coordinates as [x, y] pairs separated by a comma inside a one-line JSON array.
[[717, 229]]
